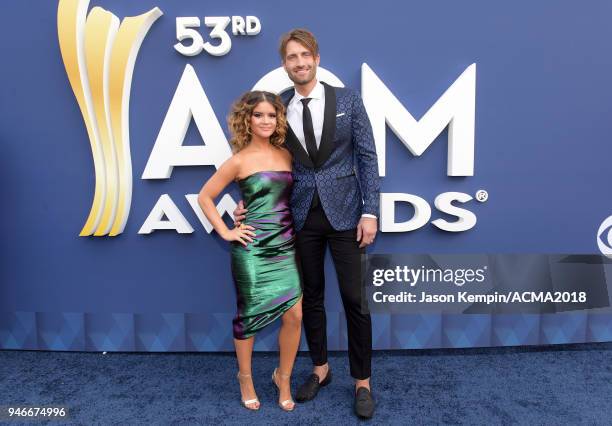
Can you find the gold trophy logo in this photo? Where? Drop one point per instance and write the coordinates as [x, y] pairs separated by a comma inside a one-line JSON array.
[[99, 56]]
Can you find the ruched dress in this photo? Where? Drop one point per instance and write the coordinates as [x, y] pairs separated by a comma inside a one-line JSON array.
[[265, 272]]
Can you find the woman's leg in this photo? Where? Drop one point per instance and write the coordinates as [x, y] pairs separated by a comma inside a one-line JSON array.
[[244, 351], [288, 341]]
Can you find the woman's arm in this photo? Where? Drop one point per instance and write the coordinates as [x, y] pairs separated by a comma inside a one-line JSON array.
[[211, 190]]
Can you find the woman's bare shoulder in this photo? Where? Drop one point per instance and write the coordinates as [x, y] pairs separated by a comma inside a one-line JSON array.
[[231, 166], [284, 152]]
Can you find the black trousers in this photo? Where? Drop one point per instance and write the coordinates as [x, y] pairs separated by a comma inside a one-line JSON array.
[[312, 242]]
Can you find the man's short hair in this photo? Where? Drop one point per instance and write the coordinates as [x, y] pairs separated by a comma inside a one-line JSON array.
[[302, 36]]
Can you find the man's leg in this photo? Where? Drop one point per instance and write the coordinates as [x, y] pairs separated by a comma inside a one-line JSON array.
[[311, 245], [347, 261]]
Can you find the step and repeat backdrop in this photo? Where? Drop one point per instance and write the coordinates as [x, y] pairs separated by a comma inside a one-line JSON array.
[[492, 127]]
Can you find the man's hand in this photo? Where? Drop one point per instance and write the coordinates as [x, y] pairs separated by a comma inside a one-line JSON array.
[[366, 231], [239, 213]]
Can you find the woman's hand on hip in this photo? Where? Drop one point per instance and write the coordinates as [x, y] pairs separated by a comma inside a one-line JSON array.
[[243, 234]]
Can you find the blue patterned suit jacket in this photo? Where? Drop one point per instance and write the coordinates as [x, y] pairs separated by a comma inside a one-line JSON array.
[[345, 171]]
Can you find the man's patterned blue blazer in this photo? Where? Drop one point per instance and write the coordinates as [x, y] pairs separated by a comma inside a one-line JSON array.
[[345, 170]]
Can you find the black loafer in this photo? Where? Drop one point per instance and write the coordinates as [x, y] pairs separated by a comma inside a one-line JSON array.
[[311, 387], [364, 403]]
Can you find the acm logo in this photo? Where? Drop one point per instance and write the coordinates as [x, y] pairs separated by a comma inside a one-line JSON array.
[[99, 56]]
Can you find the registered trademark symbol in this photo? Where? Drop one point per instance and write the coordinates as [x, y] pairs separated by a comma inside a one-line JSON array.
[[482, 195]]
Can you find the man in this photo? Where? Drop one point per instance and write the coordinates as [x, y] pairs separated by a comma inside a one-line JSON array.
[[335, 203]]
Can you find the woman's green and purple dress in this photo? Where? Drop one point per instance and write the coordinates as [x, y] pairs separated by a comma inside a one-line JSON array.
[[265, 272]]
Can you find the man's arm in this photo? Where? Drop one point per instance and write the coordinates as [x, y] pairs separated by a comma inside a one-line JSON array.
[[367, 171], [367, 161]]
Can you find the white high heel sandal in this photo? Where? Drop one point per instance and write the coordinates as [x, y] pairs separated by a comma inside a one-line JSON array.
[[248, 404], [288, 404]]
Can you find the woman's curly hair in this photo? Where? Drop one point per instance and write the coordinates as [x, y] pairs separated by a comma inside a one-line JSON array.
[[239, 120]]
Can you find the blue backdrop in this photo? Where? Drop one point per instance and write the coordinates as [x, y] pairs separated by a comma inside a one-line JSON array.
[[543, 91]]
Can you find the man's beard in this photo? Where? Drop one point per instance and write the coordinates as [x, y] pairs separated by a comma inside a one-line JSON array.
[[302, 81]]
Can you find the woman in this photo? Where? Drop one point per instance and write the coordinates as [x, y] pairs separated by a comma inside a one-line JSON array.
[[264, 268]]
